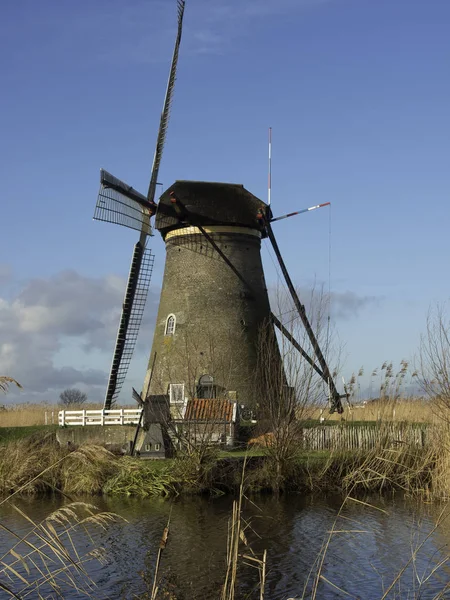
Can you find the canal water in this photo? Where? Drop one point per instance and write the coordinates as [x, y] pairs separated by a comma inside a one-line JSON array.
[[375, 544]]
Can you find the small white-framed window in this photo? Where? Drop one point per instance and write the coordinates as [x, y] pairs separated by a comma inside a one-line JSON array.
[[176, 393], [170, 325], [157, 447]]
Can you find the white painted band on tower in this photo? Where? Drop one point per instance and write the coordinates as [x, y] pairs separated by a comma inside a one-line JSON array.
[[213, 229]]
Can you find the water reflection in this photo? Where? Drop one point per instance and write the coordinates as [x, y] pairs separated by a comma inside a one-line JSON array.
[[369, 546]]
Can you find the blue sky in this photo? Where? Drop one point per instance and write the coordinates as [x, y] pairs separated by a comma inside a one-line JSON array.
[[357, 93]]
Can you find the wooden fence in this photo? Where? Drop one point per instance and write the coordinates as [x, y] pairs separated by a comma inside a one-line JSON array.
[[364, 438], [120, 416]]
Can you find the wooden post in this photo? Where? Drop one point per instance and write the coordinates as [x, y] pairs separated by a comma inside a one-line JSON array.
[[102, 417], [84, 417], [121, 416], [63, 418]]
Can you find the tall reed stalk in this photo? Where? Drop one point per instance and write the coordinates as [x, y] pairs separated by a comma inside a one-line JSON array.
[[236, 539], [47, 559]]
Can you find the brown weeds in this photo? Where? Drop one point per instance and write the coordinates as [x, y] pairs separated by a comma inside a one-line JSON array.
[[46, 560]]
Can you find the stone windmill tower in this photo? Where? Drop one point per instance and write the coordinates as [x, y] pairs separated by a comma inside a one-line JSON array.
[[214, 299], [214, 307]]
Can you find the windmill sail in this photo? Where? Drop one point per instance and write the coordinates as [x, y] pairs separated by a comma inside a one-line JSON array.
[[164, 122], [121, 204], [131, 318]]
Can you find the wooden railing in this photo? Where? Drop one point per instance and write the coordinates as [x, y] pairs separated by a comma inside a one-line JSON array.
[[364, 437], [120, 416]]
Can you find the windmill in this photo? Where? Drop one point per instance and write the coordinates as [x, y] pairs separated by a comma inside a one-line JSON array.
[[120, 204], [213, 278], [214, 281]]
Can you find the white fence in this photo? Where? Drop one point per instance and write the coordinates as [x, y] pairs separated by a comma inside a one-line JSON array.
[[121, 416]]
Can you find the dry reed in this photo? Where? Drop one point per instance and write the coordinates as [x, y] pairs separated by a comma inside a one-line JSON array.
[[6, 381], [27, 415], [239, 549], [46, 560], [410, 410], [38, 465], [161, 548]]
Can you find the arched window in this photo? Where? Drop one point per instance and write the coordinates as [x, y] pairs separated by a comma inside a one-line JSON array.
[[206, 387], [170, 325]]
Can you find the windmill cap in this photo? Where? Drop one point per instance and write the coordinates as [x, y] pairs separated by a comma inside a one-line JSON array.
[[207, 203]]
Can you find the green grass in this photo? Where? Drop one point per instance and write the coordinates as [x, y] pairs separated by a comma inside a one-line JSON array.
[[241, 452], [305, 457], [9, 434], [156, 464]]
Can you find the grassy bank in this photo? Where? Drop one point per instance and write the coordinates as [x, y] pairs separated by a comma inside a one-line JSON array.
[[37, 464], [8, 434]]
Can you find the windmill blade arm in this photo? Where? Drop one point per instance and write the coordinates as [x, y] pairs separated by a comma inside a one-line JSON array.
[[119, 203], [166, 107], [130, 320], [109, 181]]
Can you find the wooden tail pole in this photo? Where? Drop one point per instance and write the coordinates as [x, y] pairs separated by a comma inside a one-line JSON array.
[[296, 345], [299, 212], [336, 404]]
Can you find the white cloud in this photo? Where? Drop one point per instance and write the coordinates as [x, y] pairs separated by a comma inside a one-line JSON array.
[[49, 316], [341, 306]]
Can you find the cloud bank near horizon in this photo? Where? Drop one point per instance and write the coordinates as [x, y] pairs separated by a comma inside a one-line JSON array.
[[59, 332]]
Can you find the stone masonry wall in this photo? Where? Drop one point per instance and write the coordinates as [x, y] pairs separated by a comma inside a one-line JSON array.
[[217, 319]]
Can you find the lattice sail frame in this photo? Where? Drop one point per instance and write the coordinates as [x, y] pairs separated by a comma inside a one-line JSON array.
[[131, 319], [120, 204]]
